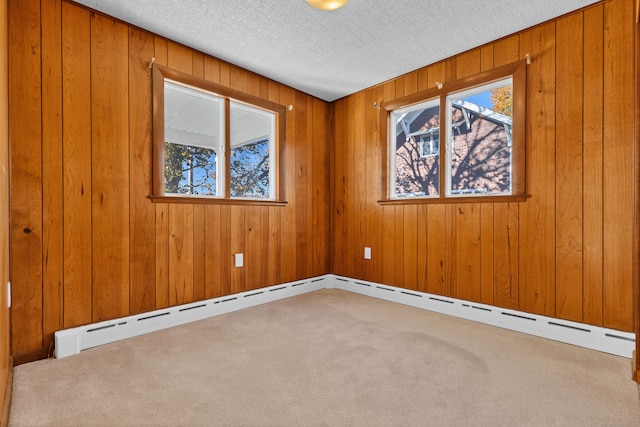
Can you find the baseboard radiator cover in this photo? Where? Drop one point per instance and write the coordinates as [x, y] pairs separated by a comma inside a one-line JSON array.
[[593, 337], [71, 341]]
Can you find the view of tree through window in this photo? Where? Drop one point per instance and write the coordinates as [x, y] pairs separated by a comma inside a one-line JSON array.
[[250, 170], [195, 143], [190, 170]]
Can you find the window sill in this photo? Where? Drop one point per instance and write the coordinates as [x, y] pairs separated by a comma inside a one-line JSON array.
[[449, 200], [216, 201]]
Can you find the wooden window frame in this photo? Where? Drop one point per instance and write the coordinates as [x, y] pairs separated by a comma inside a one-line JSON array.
[[159, 74], [517, 71]]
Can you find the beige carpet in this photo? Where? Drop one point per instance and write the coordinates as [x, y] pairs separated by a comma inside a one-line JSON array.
[[329, 358]]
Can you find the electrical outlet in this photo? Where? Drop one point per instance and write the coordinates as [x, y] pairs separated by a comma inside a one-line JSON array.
[[239, 260], [367, 253], [9, 294]]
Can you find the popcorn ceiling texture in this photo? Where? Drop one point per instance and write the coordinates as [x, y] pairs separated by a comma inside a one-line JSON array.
[[333, 54]]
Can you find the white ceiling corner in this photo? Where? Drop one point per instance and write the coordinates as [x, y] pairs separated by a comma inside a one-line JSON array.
[[334, 54]]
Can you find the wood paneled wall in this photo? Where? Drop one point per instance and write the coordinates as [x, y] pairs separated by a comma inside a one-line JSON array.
[[566, 251], [87, 244], [6, 365]]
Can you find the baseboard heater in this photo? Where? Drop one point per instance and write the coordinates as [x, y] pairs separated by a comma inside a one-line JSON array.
[[580, 334], [72, 341]]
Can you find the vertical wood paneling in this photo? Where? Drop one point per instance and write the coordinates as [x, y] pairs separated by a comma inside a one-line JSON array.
[[423, 254], [375, 145], [617, 171], [92, 244], [52, 196], [468, 251], [302, 186], [506, 263], [319, 202], [537, 233], [162, 255], [26, 176], [5, 226], [437, 250], [226, 252], [109, 168], [288, 215], [593, 151], [487, 246], [388, 216], [76, 124], [147, 256], [554, 253], [356, 196], [180, 254], [237, 246], [212, 252], [569, 168], [199, 252], [273, 247], [264, 257], [142, 241], [253, 245], [410, 247], [339, 187]]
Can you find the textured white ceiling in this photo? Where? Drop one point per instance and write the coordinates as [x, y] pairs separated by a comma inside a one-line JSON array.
[[334, 54]]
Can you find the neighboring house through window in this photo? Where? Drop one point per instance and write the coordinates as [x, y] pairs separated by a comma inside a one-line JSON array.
[[476, 148]]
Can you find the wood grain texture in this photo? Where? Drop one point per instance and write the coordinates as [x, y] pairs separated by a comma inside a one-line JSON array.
[[109, 168], [121, 254], [6, 363], [537, 235], [86, 191], [52, 195], [181, 258], [569, 167], [25, 131], [618, 164], [375, 138], [593, 155], [76, 120], [556, 253], [142, 213]]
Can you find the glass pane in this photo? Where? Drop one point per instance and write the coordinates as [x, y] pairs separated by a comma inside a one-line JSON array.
[[193, 129], [190, 170], [252, 141], [480, 128], [416, 150]]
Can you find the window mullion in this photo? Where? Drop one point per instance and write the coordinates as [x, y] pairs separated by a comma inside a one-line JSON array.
[[444, 148], [227, 148]]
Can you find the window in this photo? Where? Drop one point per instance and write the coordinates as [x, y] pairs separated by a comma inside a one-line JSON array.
[[480, 121], [214, 143]]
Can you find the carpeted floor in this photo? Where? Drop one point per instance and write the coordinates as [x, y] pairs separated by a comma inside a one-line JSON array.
[[329, 358]]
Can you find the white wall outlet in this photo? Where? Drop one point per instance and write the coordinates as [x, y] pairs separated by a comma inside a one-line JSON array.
[[367, 253], [9, 294], [239, 260]]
